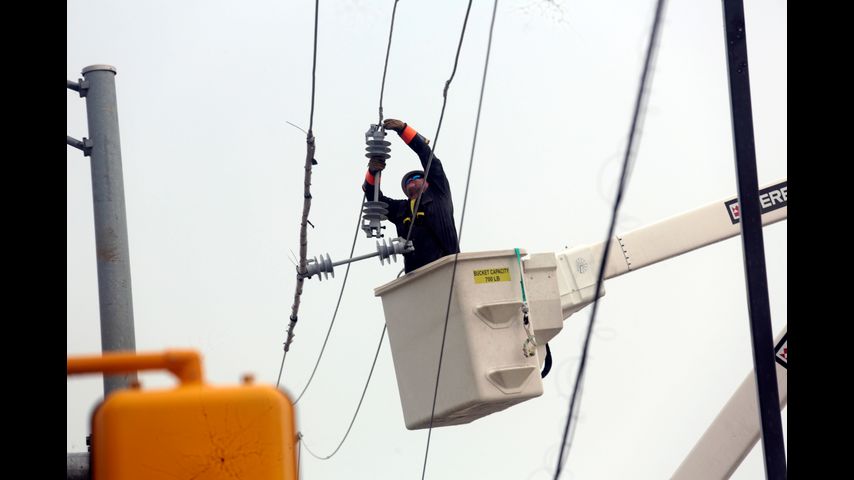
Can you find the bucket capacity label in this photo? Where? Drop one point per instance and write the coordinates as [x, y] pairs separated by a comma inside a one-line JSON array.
[[492, 275]]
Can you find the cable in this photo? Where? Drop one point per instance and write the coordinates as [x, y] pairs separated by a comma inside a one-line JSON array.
[[358, 407], [335, 314], [441, 117], [629, 153], [313, 67], [462, 222], [358, 219], [385, 67], [306, 207]]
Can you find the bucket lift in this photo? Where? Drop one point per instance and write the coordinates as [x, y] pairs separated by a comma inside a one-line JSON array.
[[484, 367]]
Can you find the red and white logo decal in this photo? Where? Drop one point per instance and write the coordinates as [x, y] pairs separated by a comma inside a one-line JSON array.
[[770, 199], [782, 352]]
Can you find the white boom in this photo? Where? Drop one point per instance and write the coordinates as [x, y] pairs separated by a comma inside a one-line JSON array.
[[735, 430], [660, 241]]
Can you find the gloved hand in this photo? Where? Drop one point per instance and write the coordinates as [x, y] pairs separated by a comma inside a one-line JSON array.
[[375, 165], [394, 124]]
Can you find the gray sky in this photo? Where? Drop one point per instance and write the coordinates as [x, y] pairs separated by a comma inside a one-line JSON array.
[[213, 184]]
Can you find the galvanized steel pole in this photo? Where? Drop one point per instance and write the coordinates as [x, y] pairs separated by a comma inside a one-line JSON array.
[[111, 237], [77, 466]]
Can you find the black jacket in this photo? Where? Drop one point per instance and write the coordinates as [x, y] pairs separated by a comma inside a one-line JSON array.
[[434, 235]]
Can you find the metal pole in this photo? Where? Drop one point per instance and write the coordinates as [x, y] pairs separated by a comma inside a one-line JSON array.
[[111, 237], [752, 241], [377, 186], [355, 259], [84, 146], [77, 466]]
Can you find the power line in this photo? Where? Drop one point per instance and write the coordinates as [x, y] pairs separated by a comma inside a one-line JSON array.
[[640, 102], [477, 120], [385, 67], [441, 117], [306, 207], [313, 67], [338, 304], [358, 219], [462, 222], [358, 407]]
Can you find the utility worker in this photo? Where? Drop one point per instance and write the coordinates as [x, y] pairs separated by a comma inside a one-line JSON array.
[[434, 234]]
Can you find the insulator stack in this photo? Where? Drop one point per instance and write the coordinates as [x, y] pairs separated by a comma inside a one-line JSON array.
[[375, 211], [319, 266], [378, 147], [389, 251]]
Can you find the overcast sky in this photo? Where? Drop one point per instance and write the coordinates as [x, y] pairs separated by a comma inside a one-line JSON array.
[[213, 184]]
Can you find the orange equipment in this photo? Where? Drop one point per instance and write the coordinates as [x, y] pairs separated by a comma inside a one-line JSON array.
[[190, 431]]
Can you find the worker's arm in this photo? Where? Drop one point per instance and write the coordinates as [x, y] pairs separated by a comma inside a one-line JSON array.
[[394, 206], [420, 145]]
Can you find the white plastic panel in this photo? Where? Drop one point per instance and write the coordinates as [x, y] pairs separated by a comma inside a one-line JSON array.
[[483, 368]]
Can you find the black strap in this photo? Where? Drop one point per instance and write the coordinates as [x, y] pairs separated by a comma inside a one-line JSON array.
[[547, 366]]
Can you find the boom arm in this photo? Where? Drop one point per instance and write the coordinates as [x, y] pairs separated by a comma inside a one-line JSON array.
[[576, 267], [735, 430]]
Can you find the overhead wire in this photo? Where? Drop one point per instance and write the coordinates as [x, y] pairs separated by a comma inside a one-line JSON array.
[[441, 118], [313, 67], [303, 248], [462, 217], [385, 67], [358, 407], [382, 83], [337, 305], [631, 150], [358, 220], [341, 293]]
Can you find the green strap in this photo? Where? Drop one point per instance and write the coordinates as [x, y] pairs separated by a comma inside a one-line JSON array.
[[519, 259]]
